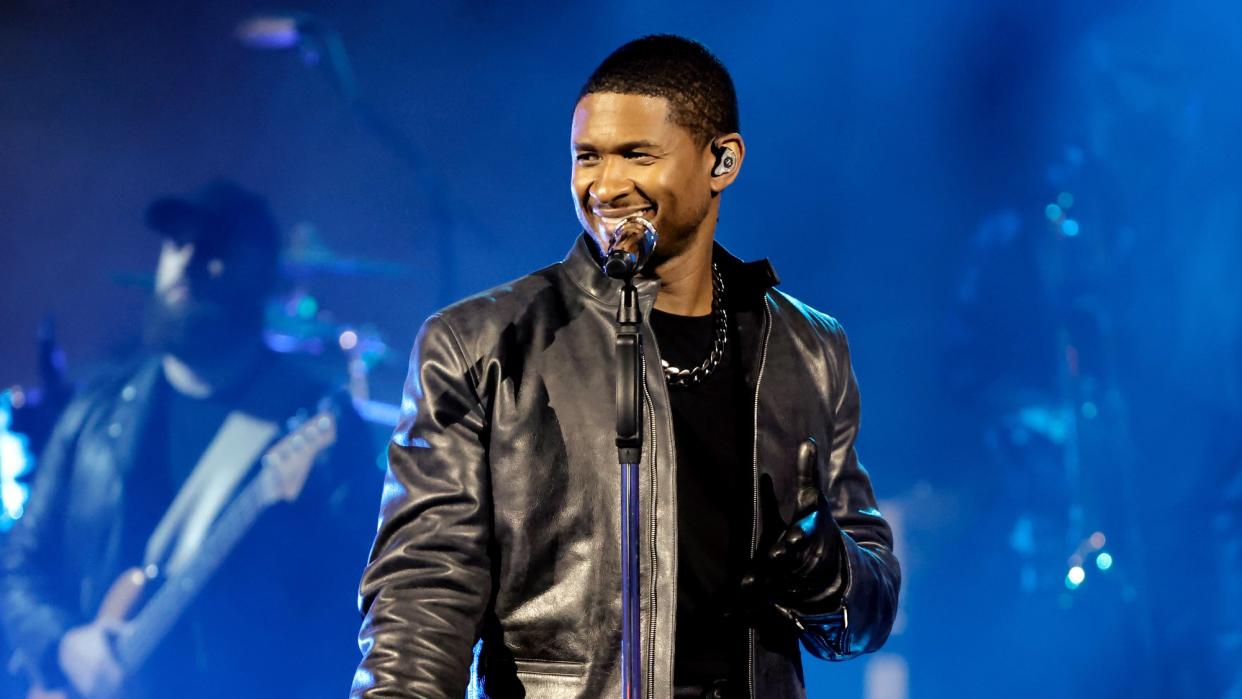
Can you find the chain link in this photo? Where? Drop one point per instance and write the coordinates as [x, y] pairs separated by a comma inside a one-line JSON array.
[[677, 377]]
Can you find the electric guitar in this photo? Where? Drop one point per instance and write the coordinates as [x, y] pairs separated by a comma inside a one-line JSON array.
[[285, 466]]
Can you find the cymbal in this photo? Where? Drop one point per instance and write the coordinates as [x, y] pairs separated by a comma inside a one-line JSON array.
[[307, 255], [332, 266]]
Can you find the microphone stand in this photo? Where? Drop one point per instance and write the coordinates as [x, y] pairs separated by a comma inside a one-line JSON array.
[[629, 452], [622, 264]]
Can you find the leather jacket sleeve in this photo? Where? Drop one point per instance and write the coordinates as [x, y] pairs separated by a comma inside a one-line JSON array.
[[30, 612], [428, 582], [857, 613]]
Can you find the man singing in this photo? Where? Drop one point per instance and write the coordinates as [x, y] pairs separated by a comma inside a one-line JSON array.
[[500, 519]]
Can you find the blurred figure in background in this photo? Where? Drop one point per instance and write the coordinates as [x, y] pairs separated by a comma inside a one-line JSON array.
[[156, 468]]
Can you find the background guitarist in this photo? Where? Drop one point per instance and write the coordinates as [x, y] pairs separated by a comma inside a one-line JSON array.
[[278, 618]]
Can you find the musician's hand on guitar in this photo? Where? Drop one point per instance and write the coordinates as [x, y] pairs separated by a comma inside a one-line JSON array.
[[86, 658]]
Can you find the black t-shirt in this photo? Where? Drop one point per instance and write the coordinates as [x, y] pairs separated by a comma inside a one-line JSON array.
[[180, 430], [712, 425], [192, 425]]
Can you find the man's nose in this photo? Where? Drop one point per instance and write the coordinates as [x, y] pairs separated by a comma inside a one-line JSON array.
[[613, 181]]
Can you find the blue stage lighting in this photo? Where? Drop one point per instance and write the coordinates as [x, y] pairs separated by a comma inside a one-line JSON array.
[[1075, 577], [15, 461]]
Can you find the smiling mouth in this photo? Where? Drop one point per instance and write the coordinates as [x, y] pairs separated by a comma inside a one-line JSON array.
[[612, 219]]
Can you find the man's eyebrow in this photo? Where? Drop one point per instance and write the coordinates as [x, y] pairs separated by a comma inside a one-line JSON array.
[[620, 148]]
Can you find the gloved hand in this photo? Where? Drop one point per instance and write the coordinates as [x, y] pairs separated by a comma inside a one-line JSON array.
[[799, 565]]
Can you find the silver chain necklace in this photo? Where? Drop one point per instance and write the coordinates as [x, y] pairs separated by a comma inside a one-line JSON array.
[[688, 377]]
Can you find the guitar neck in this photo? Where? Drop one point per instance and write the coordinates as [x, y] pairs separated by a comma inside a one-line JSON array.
[[148, 628]]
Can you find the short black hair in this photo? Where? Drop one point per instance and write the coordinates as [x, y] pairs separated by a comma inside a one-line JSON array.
[[695, 83]]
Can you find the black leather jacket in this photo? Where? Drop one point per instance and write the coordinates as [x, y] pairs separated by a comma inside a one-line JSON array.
[[500, 516]]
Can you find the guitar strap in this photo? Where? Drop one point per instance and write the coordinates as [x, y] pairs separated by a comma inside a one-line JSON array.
[[237, 444]]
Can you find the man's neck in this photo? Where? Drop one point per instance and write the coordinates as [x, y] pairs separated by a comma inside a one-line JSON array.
[[202, 379], [686, 280]]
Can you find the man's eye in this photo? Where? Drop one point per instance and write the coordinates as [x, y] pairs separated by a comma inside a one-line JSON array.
[[586, 157]]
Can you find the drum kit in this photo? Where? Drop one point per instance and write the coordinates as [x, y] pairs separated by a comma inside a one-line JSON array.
[[297, 324]]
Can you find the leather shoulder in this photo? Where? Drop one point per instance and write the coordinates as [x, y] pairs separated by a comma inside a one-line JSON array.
[[478, 322], [802, 318]]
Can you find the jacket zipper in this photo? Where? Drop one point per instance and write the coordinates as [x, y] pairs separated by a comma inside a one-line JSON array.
[[754, 507], [651, 623]]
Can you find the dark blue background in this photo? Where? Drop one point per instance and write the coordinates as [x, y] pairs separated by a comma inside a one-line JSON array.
[[885, 141]]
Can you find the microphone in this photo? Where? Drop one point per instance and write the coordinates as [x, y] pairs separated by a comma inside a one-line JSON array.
[[632, 244]]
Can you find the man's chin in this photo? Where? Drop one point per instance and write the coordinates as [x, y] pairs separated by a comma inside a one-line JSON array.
[[669, 247]]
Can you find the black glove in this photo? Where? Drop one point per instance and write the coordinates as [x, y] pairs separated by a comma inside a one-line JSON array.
[[798, 565]]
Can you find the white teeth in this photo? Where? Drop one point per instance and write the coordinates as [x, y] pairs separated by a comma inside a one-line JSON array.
[[613, 221]]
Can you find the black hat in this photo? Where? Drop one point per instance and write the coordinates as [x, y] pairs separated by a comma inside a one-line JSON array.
[[221, 213]]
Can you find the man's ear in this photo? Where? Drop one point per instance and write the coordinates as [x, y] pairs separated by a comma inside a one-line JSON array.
[[727, 151]]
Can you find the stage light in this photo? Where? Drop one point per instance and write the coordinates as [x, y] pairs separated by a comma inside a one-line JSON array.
[[1053, 212], [1089, 410], [269, 32], [349, 340], [1097, 540], [1065, 200], [1069, 227], [13, 462], [1075, 577], [308, 307], [1104, 561], [13, 497]]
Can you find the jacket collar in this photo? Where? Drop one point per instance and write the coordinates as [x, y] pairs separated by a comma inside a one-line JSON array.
[[582, 265]]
